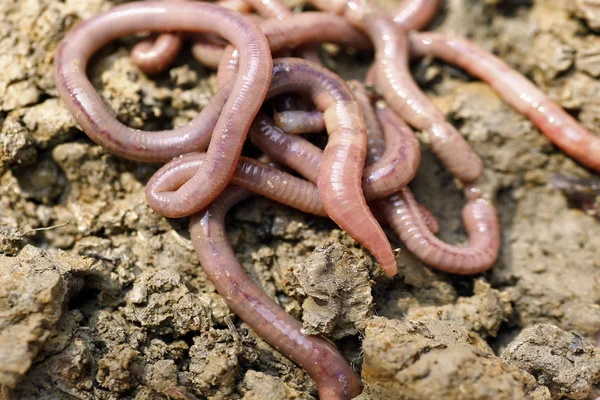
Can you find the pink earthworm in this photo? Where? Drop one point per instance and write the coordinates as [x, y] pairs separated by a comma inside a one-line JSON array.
[[155, 55], [270, 9], [415, 224], [318, 357], [340, 171], [393, 76], [481, 221], [298, 30], [277, 10], [253, 175], [259, 177], [375, 135], [415, 14], [393, 170], [233, 123], [552, 120]]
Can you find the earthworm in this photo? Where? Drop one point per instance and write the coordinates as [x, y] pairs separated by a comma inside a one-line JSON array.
[[340, 171], [375, 136], [318, 357], [393, 170], [552, 120], [480, 219], [393, 76], [415, 14], [253, 175], [415, 224], [298, 30], [209, 54], [155, 55], [233, 123]]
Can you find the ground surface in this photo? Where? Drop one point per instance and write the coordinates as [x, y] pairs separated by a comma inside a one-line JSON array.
[[110, 302]]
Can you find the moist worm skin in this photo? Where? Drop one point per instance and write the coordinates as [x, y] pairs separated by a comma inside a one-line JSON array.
[[481, 222], [230, 132], [416, 225], [415, 14], [396, 166], [553, 121], [155, 55], [253, 175], [319, 358], [375, 136], [340, 171], [392, 75], [299, 30], [394, 153]]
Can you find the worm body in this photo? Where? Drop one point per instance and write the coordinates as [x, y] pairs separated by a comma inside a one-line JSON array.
[[326, 366], [155, 55], [250, 174], [297, 122], [481, 221], [392, 74], [340, 171], [554, 122], [415, 14], [234, 121]]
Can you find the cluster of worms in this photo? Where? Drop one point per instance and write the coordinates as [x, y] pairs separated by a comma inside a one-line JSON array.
[[265, 54]]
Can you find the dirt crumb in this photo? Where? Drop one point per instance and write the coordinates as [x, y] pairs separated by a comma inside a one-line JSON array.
[[482, 313], [161, 303], [119, 370], [34, 289], [562, 361], [214, 364], [437, 359], [260, 386], [334, 288]]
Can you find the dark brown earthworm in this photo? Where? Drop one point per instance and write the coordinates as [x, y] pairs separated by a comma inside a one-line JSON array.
[[233, 123], [253, 175], [326, 366], [415, 14], [554, 122], [155, 55]]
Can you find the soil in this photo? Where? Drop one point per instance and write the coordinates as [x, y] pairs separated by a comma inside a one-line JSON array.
[[100, 298]]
